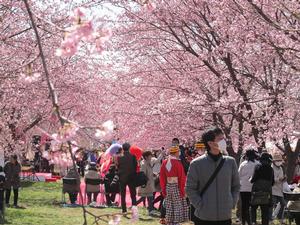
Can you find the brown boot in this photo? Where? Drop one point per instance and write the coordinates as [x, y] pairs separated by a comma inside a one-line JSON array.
[[162, 221]]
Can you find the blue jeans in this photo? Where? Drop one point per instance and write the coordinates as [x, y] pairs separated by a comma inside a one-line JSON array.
[[275, 200], [150, 200]]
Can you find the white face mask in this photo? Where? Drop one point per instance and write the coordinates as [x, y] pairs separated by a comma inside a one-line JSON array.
[[222, 145], [278, 163]]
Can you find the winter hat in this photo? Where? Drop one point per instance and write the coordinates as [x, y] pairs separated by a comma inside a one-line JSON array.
[[277, 157]]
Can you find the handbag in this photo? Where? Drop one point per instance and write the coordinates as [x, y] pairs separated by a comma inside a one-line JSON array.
[[140, 179], [260, 198], [156, 181]]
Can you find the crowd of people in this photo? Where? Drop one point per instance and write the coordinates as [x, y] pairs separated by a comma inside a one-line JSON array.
[[202, 183], [199, 183]]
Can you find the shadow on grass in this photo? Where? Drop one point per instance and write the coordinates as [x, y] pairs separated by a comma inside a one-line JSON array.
[[5, 222], [141, 219], [41, 202], [25, 184], [18, 207], [146, 219]]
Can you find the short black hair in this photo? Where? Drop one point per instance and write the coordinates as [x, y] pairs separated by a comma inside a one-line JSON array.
[[266, 158], [126, 146], [175, 139], [218, 131], [207, 136], [251, 154]]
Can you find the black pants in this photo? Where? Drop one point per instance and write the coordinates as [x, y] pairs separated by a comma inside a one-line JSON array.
[[245, 201], [110, 197], [95, 195], [297, 219], [141, 199], [163, 211], [264, 214], [16, 196], [132, 190], [73, 197], [203, 222], [159, 199], [1, 200]]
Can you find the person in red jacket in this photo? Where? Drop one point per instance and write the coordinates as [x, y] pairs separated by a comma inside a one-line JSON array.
[[172, 181]]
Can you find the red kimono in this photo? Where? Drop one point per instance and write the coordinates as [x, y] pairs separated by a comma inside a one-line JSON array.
[[177, 170]]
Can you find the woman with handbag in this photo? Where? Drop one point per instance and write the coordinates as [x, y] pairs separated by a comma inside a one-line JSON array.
[[263, 180], [146, 192], [172, 182]]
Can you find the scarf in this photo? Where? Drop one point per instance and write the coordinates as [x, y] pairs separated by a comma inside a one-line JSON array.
[[169, 164]]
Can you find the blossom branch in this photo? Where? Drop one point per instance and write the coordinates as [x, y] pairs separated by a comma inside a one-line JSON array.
[[52, 90]]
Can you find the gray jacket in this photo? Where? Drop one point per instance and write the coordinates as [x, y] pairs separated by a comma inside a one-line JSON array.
[[221, 196]]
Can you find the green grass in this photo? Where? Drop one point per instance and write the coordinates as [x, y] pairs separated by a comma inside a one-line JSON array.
[[41, 202]]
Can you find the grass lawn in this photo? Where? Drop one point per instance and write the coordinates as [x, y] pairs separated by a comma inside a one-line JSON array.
[[42, 207], [41, 202]]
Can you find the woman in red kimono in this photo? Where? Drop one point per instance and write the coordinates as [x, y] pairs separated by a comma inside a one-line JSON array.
[[172, 181]]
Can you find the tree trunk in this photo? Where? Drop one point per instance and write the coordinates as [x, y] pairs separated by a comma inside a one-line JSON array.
[[291, 159]]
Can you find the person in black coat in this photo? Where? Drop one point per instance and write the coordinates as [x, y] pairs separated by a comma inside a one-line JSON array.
[[127, 166], [111, 185], [12, 170], [263, 180]]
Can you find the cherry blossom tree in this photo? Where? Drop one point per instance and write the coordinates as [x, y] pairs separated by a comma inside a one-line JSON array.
[[158, 69], [213, 56]]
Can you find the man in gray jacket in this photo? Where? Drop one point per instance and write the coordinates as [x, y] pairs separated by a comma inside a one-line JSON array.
[[215, 205]]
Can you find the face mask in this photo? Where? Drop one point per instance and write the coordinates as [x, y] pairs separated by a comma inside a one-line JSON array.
[[222, 145], [278, 163]]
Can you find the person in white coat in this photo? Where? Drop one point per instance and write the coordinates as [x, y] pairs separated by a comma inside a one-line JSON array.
[[277, 189], [246, 171]]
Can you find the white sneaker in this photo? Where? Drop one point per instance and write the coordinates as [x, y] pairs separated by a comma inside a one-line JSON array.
[[153, 213], [93, 204]]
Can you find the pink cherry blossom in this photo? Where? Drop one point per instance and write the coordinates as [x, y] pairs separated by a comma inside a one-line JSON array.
[[85, 29], [108, 126], [135, 213], [115, 220], [68, 47], [79, 12], [30, 77], [150, 6]]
